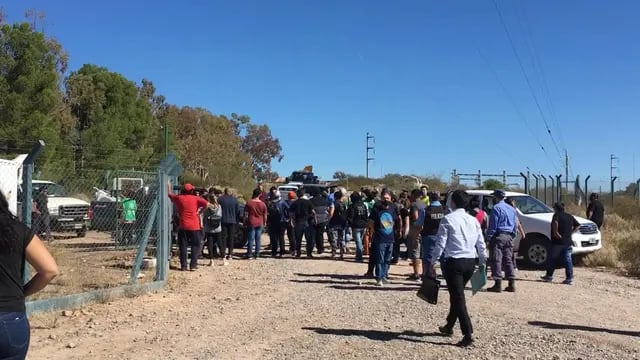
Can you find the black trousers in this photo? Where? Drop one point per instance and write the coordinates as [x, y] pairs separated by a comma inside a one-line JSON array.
[[227, 236], [276, 238], [214, 245], [192, 239], [318, 236], [288, 229], [457, 273], [301, 229]]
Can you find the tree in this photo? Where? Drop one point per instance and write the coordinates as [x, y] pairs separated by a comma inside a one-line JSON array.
[[262, 148], [114, 126], [492, 184], [340, 175], [31, 104], [208, 146]]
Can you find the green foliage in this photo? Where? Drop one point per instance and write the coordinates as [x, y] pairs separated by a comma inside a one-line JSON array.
[[113, 124], [100, 120], [31, 105], [492, 184]]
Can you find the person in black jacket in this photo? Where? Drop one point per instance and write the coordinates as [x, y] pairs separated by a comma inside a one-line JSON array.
[[19, 245], [230, 215], [358, 217]]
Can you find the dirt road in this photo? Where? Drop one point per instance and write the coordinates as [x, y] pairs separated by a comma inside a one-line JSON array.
[[323, 309]]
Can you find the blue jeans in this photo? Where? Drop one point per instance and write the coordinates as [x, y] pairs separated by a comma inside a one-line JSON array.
[[255, 236], [562, 252], [357, 237], [14, 335], [385, 251], [427, 246]]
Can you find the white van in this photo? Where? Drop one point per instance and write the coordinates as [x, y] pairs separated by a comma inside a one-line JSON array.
[[535, 218]]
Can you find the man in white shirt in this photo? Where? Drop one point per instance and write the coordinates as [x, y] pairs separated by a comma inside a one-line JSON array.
[[460, 240]]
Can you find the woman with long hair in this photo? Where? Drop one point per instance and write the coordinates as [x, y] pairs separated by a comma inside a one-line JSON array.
[[212, 221], [18, 245]]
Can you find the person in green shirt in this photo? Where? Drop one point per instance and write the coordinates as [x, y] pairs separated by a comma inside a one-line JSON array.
[[129, 209]]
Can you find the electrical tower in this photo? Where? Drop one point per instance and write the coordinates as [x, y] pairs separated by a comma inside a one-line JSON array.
[[370, 141], [613, 166]]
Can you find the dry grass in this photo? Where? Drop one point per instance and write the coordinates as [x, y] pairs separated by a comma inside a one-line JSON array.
[[621, 237], [89, 263]]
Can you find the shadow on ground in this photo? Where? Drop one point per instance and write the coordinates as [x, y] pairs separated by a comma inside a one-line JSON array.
[[548, 325], [377, 335]]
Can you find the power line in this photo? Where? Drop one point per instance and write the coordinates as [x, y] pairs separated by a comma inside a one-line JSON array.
[[537, 65], [526, 76], [515, 106]]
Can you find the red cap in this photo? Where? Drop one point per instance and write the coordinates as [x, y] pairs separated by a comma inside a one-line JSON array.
[[188, 187], [292, 195]]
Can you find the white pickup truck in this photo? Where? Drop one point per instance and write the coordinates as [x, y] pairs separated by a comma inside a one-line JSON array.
[[535, 218], [67, 214]]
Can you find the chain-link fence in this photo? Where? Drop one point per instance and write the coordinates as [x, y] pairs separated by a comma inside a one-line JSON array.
[[107, 229], [94, 223]]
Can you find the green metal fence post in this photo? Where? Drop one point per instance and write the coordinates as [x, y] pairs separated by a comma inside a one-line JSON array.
[[142, 247], [27, 191]]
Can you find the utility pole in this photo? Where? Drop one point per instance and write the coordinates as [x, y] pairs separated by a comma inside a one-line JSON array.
[[613, 178], [566, 171], [370, 147], [612, 167]]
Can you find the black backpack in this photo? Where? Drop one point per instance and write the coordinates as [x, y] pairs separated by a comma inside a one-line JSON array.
[[340, 212], [212, 220], [273, 212]]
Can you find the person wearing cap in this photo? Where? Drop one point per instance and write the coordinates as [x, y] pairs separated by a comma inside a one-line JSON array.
[[501, 232], [275, 224], [286, 211], [188, 206]]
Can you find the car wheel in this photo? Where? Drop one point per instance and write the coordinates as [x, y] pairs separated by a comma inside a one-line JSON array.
[[81, 234], [241, 238], [535, 252]]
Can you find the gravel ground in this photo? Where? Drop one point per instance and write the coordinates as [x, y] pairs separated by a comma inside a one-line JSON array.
[[323, 309]]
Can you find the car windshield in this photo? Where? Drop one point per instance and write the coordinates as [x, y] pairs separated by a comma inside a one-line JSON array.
[[530, 205], [54, 190]]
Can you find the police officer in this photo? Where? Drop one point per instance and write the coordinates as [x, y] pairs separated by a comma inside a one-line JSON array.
[[501, 232], [434, 213]]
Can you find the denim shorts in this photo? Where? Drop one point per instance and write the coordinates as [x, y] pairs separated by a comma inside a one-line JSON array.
[[14, 335], [428, 244]]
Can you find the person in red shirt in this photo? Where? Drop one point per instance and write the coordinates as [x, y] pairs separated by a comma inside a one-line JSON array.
[[255, 218], [263, 194], [188, 206]]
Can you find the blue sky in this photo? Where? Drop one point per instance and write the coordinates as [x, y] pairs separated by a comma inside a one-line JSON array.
[[421, 76]]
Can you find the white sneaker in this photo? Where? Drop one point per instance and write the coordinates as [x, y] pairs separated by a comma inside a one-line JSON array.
[[225, 262], [379, 283]]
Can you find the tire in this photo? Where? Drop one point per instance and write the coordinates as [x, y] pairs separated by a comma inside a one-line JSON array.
[[241, 237], [81, 234], [534, 252]]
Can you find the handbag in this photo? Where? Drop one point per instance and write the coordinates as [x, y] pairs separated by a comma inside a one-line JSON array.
[[429, 290]]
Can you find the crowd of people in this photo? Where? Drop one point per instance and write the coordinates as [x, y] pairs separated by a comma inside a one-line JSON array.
[[455, 232]]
